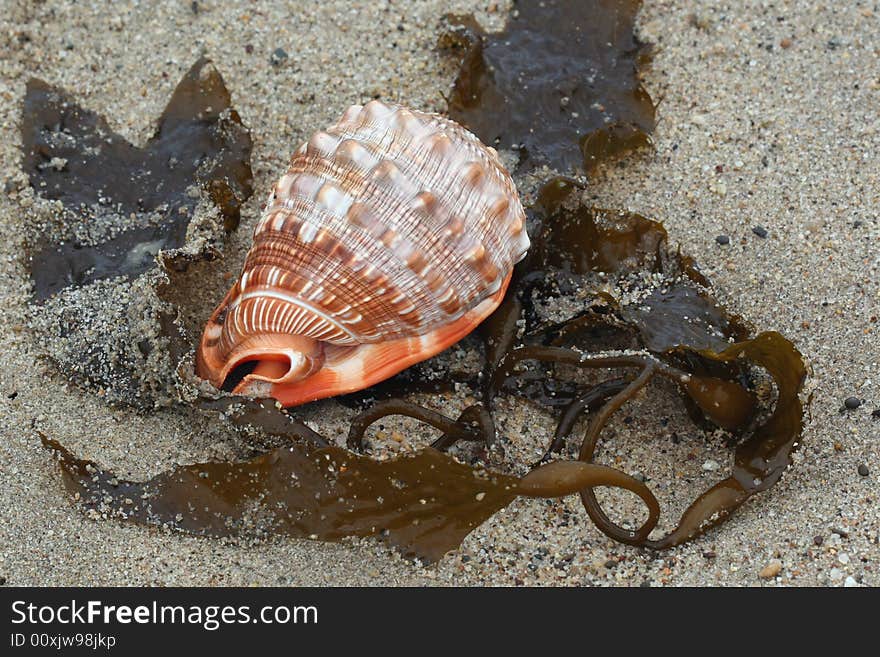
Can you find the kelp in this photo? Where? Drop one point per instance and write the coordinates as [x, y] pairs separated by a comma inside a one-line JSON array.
[[72, 155], [112, 218], [560, 84], [424, 503], [427, 502], [600, 290], [682, 334]]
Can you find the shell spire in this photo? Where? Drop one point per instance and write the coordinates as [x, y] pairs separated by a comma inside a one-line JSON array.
[[391, 236]]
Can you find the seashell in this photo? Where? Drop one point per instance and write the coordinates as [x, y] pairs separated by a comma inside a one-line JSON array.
[[390, 237]]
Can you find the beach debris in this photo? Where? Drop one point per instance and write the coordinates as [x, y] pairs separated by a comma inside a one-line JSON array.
[[390, 237], [278, 57], [771, 570], [560, 85]]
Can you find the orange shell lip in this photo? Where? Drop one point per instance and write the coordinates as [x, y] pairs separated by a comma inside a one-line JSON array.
[[343, 369], [280, 358], [348, 369]]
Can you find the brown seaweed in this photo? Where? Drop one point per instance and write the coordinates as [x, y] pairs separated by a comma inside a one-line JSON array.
[[560, 84], [642, 311], [71, 155], [424, 503], [685, 334], [93, 262], [427, 502]]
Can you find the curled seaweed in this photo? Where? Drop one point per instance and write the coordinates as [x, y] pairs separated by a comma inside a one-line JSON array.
[[560, 84], [453, 430], [427, 502], [424, 503], [680, 332], [601, 290]]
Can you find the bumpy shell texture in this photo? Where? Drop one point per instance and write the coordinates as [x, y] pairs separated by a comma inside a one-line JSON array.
[[390, 237]]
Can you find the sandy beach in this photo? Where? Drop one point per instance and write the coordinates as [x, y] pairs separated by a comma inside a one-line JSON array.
[[768, 117]]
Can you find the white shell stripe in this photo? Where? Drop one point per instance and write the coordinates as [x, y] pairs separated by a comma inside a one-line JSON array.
[[357, 240], [287, 298]]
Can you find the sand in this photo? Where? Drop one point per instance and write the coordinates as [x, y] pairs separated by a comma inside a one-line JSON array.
[[769, 116]]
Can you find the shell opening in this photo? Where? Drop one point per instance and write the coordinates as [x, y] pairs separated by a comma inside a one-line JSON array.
[[256, 374], [238, 374], [258, 363]]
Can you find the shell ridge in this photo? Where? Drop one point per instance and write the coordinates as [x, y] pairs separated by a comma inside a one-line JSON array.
[[334, 275], [302, 306], [429, 180]]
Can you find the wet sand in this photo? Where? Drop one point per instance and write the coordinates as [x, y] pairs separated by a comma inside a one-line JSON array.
[[767, 117]]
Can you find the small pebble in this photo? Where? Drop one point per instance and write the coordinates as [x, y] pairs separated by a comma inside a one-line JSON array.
[[836, 575], [278, 57], [710, 466], [818, 540], [760, 231], [785, 43], [771, 570], [876, 413], [863, 470], [843, 558], [850, 582], [722, 240], [709, 554], [852, 403]]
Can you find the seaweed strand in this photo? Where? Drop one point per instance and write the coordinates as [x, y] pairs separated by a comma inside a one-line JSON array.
[[590, 401], [453, 430], [588, 447]]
